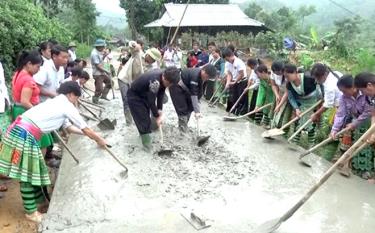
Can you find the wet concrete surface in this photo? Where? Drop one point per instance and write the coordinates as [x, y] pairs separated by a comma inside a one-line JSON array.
[[236, 181]]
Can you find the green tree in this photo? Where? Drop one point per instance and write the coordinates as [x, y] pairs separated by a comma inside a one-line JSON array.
[[305, 11], [253, 10], [23, 26]]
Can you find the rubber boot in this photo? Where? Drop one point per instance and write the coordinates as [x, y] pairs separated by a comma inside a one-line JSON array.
[[105, 93], [297, 138], [183, 123], [146, 142], [128, 117], [95, 100], [311, 137], [258, 118]]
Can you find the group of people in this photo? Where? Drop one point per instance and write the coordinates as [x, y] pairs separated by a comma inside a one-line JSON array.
[[45, 93]]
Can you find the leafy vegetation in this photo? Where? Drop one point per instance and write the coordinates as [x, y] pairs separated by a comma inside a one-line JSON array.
[[23, 26]]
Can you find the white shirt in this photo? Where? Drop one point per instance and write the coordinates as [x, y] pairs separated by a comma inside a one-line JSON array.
[[49, 77], [70, 79], [3, 90], [168, 58], [72, 55], [54, 113], [255, 80], [278, 79], [332, 94], [235, 67]]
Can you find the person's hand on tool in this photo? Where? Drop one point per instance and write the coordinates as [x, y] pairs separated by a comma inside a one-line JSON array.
[[101, 142], [277, 109], [350, 127], [159, 119], [333, 135], [314, 117], [298, 113], [371, 140], [198, 115], [278, 99]]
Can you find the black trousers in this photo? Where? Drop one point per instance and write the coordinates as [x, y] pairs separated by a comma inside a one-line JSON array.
[[140, 110], [235, 92], [181, 100]]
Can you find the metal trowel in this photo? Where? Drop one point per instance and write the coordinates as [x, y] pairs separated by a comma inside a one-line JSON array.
[[201, 140], [197, 222], [163, 150]]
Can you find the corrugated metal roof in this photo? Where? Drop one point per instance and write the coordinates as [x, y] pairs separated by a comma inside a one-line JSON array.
[[204, 15]]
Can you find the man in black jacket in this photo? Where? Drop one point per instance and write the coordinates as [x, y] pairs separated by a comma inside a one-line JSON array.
[[146, 94], [185, 96]]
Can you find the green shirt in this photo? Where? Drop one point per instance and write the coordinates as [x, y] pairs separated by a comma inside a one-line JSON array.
[[265, 93]]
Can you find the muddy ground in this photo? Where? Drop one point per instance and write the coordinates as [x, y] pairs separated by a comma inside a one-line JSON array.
[[236, 182]]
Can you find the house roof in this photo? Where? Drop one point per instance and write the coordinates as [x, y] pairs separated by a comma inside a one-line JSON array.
[[204, 15]]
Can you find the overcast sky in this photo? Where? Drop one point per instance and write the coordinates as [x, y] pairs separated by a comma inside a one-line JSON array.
[[109, 6], [112, 6]]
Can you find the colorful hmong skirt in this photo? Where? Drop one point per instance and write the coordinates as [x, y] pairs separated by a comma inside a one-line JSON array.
[[46, 140], [21, 157]]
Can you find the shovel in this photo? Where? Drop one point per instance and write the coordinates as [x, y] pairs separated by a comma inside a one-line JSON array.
[[314, 148], [66, 146], [201, 140], [218, 98], [228, 118], [299, 130], [104, 124], [163, 151], [123, 174], [276, 132], [95, 105], [238, 101], [273, 225], [216, 91]]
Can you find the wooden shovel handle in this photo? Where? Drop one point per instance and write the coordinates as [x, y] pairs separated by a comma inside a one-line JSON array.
[[323, 143], [89, 110], [302, 114], [347, 155], [116, 158], [299, 129], [238, 100], [66, 146], [255, 111]]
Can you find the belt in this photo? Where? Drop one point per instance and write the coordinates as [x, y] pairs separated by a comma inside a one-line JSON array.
[[27, 125]]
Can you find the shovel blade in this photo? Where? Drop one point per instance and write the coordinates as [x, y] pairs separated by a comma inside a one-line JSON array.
[[228, 118], [106, 124], [165, 152], [272, 133], [304, 163], [268, 227], [203, 140]]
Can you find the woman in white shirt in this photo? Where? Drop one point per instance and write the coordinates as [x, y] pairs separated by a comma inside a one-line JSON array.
[[20, 155]]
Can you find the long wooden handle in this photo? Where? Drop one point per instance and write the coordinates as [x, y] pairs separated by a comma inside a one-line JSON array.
[[117, 159], [216, 91], [299, 129], [161, 135], [238, 100], [323, 143], [302, 114], [218, 98], [66, 146], [347, 155], [179, 23], [89, 110], [90, 103], [254, 111]]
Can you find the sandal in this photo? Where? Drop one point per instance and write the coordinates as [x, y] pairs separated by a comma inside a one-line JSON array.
[[3, 188], [34, 217]]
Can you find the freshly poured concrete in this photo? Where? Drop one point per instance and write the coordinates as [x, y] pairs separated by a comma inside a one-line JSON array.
[[237, 181]]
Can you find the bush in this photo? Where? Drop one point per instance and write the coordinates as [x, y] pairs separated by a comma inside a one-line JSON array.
[[83, 50], [23, 26]]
